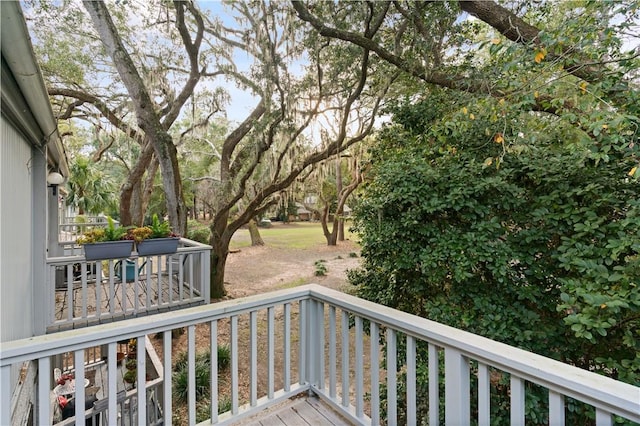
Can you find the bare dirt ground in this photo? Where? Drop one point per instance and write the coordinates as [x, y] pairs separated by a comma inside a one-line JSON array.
[[256, 270], [261, 269]]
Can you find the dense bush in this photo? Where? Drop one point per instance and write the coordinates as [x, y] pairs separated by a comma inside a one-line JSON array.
[[199, 232], [541, 252]]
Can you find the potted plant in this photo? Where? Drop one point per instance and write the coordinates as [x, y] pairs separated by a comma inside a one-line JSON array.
[[106, 243], [155, 239], [132, 348], [130, 377]]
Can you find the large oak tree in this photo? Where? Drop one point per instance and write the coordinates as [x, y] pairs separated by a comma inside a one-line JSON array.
[[141, 73]]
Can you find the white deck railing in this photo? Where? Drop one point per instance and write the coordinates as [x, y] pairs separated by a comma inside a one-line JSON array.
[[313, 339], [82, 293], [72, 228]]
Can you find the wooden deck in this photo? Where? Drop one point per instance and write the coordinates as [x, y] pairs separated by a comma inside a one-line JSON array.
[[111, 300], [303, 411]]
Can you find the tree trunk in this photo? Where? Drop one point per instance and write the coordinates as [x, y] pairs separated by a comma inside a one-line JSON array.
[[332, 239], [146, 115], [147, 190], [338, 220], [256, 239], [219, 255], [168, 158], [137, 213], [219, 240], [127, 192], [339, 211], [330, 236]]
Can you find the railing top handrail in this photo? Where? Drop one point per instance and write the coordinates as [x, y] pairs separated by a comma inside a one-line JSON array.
[[188, 244], [71, 340], [89, 220], [615, 396]]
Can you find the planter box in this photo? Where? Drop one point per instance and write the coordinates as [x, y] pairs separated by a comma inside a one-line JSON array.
[[158, 246], [108, 250]]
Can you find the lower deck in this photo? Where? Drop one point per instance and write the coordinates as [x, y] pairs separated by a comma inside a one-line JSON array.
[[96, 390], [81, 304]]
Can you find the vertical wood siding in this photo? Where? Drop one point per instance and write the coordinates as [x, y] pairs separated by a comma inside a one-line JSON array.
[[16, 287]]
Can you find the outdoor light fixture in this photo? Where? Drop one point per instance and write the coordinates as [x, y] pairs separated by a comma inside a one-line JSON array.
[[54, 179]]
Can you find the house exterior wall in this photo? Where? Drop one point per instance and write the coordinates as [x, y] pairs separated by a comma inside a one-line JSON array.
[[30, 147], [16, 207], [17, 316]]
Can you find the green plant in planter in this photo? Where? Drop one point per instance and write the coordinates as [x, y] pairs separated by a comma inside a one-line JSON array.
[[159, 229], [131, 364], [154, 239], [156, 229], [110, 233], [130, 376], [139, 234]]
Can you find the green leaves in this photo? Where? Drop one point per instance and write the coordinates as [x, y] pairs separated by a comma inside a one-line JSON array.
[[542, 252]]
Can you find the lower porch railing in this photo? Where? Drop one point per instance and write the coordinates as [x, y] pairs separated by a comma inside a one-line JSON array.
[[82, 293], [363, 359]]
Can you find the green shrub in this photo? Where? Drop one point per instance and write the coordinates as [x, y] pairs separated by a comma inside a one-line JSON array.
[[224, 358], [181, 380], [198, 232], [321, 268], [202, 369], [541, 252], [203, 411]]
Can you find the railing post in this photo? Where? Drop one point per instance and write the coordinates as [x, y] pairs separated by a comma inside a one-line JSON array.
[[312, 343], [434, 386], [234, 365], [44, 386], [456, 388], [517, 400], [47, 306], [392, 378], [302, 341], [359, 367], [484, 395], [332, 352], [374, 352], [253, 358], [344, 331], [213, 385], [556, 409], [205, 265], [287, 347], [411, 381], [271, 318], [191, 367], [5, 394], [320, 339], [112, 374], [603, 418]]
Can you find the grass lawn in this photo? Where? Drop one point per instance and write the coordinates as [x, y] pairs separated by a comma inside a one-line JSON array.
[[294, 235]]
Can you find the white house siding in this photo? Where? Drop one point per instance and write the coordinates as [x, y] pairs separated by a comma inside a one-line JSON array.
[[16, 238]]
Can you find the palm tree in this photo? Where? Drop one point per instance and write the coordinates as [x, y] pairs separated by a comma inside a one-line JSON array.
[[89, 189]]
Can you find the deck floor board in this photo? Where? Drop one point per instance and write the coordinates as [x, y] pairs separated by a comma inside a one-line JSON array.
[[155, 293], [308, 411]]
